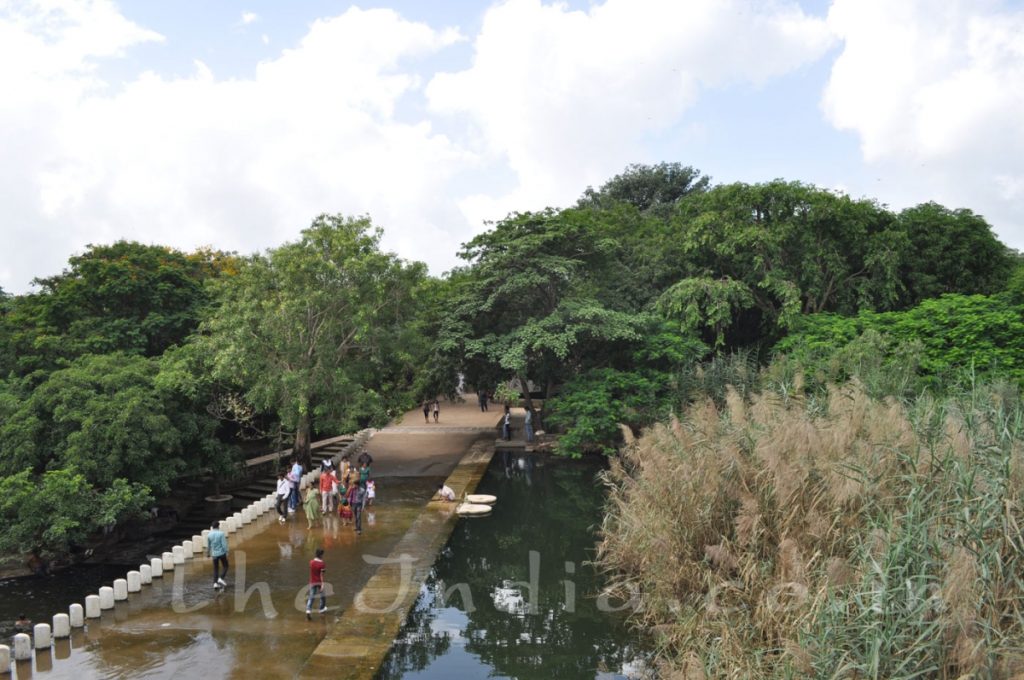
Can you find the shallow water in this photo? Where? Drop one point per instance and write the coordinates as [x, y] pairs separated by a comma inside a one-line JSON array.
[[180, 626], [513, 595]]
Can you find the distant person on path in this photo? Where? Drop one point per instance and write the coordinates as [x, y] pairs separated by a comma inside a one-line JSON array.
[[284, 491], [426, 410], [295, 477], [437, 410], [356, 499], [481, 397], [445, 492], [529, 424], [311, 505], [328, 490], [506, 424], [316, 584], [217, 545], [371, 491]]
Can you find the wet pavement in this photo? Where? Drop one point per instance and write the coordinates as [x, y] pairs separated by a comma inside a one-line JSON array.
[[256, 627]]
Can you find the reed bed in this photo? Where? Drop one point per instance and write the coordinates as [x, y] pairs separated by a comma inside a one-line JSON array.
[[776, 535]]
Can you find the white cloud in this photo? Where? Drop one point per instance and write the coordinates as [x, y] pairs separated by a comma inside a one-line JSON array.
[[935, 92], [249, 18], [566, 97], [265, 39], [239, 164]]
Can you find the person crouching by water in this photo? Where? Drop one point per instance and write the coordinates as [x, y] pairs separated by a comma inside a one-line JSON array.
[[217, 545], [22, 625], [446, 493], [284, 490]]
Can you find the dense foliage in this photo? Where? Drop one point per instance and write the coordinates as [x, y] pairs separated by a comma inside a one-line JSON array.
[[140, 363]]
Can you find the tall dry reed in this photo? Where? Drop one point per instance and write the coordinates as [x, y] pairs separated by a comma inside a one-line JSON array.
[[772, 537]]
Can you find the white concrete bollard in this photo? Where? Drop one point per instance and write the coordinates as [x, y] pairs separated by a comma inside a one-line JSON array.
[[145, 575], [120, 589], [156, 567], [134, 579], [178, 554], [5, 659], [238, 519], [186, 547], [22, 647], [202, 536], [168, 561], [92, 606], [76, 613], [229, 526], [106, 597], [61, 626], [41, 636], [197, 544]]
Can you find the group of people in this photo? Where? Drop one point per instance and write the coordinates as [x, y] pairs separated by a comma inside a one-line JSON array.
[[431, 406], [347, 491]]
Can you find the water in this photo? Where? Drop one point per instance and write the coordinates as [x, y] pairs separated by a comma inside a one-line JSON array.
[[254, 628], [485, 628]]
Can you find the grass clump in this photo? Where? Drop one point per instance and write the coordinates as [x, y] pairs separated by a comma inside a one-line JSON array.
[[781, 535]]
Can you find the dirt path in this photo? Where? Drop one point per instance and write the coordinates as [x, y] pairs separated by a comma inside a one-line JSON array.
[[409, 447]]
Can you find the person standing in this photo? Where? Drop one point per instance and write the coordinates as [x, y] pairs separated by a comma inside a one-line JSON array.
[[295, 477], [426, 410], [328, 489], [356, 499], [481, 398], [529, 425], [506, 424], [311, 504], [217, 545], [284, 491], [316, 584], [437, 409]]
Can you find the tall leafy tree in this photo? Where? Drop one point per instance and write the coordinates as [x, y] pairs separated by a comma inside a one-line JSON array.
[[310, 330], [950, 251], [531, 305], [655, 188]]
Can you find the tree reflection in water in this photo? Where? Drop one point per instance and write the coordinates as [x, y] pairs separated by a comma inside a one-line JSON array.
[[485, 625]]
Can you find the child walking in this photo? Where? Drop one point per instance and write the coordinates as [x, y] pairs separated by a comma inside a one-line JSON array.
[[345, 510]]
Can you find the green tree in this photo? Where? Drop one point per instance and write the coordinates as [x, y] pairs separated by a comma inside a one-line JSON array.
[[312, 329], [655, 188], [532, 304], [950, 251], [106, 417], [60, 508], [785, 249]]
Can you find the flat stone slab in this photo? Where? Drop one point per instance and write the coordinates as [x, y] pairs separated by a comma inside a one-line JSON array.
[[355, 647]]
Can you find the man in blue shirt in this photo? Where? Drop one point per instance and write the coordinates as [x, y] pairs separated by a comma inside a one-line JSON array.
[[217, 544]]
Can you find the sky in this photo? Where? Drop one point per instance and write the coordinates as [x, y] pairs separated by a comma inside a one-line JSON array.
[[232, 124]]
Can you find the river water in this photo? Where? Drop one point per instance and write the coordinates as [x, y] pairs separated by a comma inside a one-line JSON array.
[[513, 594]]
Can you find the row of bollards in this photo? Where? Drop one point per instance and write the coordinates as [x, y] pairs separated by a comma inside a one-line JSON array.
[[43, 634]]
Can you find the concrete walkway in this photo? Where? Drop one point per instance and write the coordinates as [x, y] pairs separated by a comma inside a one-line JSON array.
[[355, 646], [257, 628]]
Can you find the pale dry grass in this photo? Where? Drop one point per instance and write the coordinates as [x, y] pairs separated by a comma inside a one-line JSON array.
[[856, 538]]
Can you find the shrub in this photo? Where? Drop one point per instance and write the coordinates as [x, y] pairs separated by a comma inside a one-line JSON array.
[[780, 536]]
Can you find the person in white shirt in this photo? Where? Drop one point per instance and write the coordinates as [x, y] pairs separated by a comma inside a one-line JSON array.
[[284, 490], [445, 492]]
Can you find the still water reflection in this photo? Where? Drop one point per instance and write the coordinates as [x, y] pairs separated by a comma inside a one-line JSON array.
[[513, 594]]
